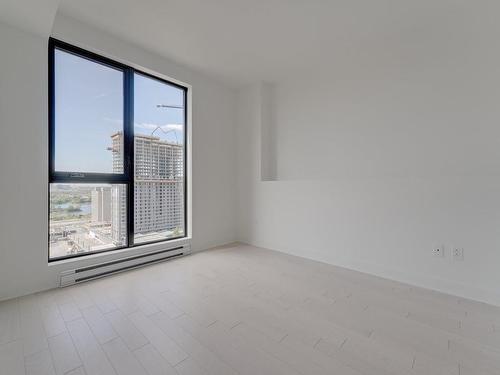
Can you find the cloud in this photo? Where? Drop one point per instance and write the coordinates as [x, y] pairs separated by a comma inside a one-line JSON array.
[[113, 120], [165, 128], [176, 127]]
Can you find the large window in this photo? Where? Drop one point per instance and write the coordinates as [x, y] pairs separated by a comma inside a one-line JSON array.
[[117, 155]]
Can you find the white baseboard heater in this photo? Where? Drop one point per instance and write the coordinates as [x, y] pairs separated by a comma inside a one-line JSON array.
[[96, 271]]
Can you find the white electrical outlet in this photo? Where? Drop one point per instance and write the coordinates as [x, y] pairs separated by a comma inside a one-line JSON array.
[[458, 253], [438, 251]]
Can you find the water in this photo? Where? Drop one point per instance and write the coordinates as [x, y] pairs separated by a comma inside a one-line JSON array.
[[85, 208]]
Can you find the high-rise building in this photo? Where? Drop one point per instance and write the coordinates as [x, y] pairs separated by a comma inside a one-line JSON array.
[[158, 188], [119, 214], [118, 193], [101, 204]]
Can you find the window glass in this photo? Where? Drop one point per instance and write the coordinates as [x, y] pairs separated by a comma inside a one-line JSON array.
[[86, 218], [101, 154], [88, 100], [159, 160]]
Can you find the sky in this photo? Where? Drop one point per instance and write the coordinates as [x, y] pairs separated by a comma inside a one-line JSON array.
[[89, 109]]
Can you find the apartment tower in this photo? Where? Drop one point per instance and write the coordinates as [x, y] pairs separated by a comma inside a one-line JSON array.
[[158, 188]]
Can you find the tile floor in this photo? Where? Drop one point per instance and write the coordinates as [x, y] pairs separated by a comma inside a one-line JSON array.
[[244, 310]]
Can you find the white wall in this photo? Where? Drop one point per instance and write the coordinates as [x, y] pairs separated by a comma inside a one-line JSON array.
[[23, 148], [366, 164], [376, 162]]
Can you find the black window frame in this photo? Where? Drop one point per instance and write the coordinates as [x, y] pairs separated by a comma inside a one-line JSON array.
[[126, 178]]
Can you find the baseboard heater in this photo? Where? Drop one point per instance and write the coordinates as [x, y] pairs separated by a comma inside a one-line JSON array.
[[96, 271]]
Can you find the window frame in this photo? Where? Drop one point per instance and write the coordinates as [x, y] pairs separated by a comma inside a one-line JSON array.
[[127, 177]]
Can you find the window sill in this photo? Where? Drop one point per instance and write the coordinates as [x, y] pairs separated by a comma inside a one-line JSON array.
[[119, 253]]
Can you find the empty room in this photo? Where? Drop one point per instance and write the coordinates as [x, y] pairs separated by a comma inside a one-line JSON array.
[[249, 187]]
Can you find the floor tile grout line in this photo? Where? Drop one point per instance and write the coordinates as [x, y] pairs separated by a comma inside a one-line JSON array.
[[284, 337], [210, 350], [74, 346]]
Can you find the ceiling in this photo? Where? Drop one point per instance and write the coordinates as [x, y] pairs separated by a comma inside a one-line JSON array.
[[35, 16], [241, 41]]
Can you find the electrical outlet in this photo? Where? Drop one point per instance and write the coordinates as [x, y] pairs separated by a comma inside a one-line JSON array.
[[438, 251], [458, 253]]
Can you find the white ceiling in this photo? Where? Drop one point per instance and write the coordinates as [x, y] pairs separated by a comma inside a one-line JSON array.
[[35, 16], [242, 41]]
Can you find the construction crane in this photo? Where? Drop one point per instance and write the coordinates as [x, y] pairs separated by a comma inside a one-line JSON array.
[[160, 128]]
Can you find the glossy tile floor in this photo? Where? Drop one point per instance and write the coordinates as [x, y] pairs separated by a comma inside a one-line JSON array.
[[243, 310]]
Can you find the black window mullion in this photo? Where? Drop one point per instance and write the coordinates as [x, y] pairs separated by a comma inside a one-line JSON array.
[[52, 104], [128, 145], [185, 166], [82, 178]]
